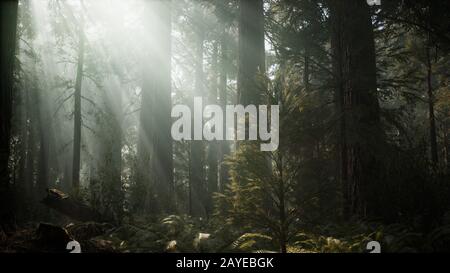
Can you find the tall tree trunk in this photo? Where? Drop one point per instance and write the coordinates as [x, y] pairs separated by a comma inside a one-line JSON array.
[[66, 181], [309, 149], [8, 26], [430, 92], [431, 115], [77, 114], [197, 175], [107, 177], [162, 161], [190, 190], [251, 51], [155, 144], [282, 207], [213, 145], [357, 104], [225, 146], [44, 149], [446, 135], [44, 132], [251, 84], [24, 109], [31, 143]]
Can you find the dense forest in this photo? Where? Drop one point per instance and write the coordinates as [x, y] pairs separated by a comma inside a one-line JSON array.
[[87, 91]]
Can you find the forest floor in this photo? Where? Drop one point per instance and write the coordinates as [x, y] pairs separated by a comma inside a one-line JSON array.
[[187, 235], [172, 234]]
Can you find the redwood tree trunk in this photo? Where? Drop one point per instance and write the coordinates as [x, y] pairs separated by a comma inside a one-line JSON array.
[[251, 51], [155, 141], [8, 26], [357, 104], [197, 173]]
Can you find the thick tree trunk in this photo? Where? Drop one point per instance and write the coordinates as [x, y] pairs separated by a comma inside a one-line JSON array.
[[251, 51], [77, 115], [162, 161], [357, 105], [155, 144], [8, 25], [197, 174], [107, 175]]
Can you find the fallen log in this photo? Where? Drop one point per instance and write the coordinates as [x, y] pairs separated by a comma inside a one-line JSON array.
[[72, 208]]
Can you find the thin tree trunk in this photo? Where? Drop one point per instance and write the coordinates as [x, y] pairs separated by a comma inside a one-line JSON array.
[[431, 115], [446, 136], [190, 207], [66, 183], [31, 145], [225, 146], [213, 145], [282, 207], [197, 177], [23, 140], [44, 147], [77, 115], [306, 70], [309, 149]]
